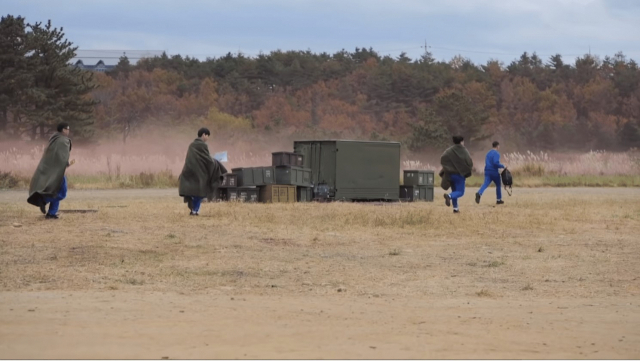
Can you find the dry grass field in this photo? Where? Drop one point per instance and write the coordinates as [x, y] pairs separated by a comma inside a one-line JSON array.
[[554, 273]]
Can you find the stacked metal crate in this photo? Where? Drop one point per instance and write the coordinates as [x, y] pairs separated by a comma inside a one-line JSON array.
[[228, 189], [236, 186], [284, 181], [292, 181], [417, 186], [250, 179]]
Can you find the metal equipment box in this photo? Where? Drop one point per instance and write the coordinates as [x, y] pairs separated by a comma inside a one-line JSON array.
[[218, 194], [255, 176], [248, 194], [416, 193], [293, 176], [264, 175], [418, 177], [229, 180], [278, 193], [286, 158], [305, 194], [353, 170], [229, 194]]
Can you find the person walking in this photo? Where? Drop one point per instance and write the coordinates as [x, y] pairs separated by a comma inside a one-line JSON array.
[[457, 166], [492, 168], [201, 173], [49, 183]]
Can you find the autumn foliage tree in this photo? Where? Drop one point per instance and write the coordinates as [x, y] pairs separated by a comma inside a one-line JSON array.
[[531, 102]]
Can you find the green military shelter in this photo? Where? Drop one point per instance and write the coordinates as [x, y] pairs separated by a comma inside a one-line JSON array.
[[352, 170]]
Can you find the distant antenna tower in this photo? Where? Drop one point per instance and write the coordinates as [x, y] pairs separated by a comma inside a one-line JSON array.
[[426, 49]]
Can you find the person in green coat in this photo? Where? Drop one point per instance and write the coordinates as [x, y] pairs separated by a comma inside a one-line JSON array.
[[49, 183], [457, 166], [201, 174]]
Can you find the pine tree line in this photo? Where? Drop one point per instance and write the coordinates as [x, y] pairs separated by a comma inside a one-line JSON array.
[[38, 88], [591, 103]]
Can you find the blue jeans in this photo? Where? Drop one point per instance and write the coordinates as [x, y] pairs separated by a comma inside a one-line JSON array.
[[196, 201], [457, 188], [495, 178], [54, 202]]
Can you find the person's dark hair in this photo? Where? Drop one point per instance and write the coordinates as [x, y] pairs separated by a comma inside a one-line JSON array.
[[457, 139], [203, 131], [495, 144], [62, 126]]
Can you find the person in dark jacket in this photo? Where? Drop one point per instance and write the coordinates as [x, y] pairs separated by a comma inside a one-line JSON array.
[[49, 183], [492, 168], [456, 168], [201, 173]]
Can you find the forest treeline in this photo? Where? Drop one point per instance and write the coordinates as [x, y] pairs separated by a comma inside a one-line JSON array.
[[533, 103]]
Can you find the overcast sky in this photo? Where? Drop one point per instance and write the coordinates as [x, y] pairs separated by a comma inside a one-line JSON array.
[[476, 29]]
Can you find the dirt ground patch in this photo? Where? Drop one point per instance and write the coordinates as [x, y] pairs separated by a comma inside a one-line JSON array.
[[554, 273]]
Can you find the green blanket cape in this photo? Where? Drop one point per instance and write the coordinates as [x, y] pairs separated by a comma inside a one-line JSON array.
[[201, 174], [455, 160], [47, 179]]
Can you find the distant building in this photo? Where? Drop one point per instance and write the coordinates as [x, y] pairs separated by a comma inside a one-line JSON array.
[[100, 66]]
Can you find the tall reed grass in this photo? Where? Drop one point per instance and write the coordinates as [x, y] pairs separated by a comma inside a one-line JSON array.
[[116, 170], [593, 163]]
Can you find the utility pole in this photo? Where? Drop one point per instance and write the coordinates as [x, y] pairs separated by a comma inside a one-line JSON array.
[[426, 50]]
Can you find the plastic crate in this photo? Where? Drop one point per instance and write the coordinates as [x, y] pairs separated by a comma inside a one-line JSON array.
[[418, 178], [305, 194], [416, 193], [229, 180], [264, 175], [248, 194], [255, 176], [287, 158], [229, 194], [293, 176]]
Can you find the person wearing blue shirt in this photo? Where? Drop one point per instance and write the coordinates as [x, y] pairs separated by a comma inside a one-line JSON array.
[[492, 174]]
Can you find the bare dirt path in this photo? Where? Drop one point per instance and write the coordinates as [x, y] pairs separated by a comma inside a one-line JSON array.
[[150, 325], [553, 274]]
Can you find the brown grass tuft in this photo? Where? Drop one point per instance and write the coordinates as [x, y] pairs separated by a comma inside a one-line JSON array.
[[144, 239]]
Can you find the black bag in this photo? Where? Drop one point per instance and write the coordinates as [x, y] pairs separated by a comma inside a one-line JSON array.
[[507, 180]]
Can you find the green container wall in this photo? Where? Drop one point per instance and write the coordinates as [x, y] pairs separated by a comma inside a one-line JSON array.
[[418, 177], [353, 170]]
